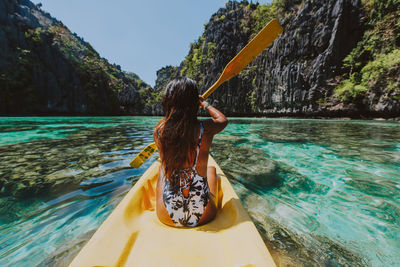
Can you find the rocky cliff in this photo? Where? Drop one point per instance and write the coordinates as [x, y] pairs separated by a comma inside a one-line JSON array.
[[334, 58], [45, 69]]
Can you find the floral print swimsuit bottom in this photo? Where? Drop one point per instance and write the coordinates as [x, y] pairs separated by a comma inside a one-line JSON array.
[[186, 211]]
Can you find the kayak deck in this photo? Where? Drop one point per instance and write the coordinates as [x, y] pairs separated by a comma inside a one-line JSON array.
[[133, 236]]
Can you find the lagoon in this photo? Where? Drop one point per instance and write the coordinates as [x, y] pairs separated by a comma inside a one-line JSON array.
[[321, 192]]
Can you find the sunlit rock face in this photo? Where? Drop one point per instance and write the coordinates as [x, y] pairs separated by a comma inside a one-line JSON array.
[[298, 69]]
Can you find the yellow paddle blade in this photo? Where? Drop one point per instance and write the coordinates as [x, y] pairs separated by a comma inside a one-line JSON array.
[[143, 155], [263, 39]]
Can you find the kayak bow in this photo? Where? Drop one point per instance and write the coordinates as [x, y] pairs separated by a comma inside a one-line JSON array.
[[133, 236]]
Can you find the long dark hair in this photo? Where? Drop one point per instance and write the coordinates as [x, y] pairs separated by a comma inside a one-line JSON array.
[[177, 131]]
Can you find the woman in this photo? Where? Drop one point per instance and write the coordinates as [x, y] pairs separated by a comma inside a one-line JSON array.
[[188, 192]]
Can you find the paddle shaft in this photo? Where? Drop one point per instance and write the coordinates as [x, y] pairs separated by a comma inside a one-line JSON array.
[[263, 39]]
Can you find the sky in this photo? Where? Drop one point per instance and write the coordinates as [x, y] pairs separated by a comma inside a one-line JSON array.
[[140, 36]]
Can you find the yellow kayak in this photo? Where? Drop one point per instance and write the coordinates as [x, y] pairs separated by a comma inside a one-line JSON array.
[[133, 236]]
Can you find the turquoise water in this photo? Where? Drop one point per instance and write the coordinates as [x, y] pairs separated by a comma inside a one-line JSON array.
[[321, 192]]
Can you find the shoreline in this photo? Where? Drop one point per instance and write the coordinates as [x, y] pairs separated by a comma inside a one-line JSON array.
[[316, 116]]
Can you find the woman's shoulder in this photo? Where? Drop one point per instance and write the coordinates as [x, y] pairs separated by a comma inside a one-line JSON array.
[[211, 127]]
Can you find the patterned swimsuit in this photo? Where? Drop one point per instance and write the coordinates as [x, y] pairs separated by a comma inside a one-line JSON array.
[[186, 211]]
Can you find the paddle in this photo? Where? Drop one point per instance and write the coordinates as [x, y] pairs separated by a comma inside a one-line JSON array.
[[264, 38]]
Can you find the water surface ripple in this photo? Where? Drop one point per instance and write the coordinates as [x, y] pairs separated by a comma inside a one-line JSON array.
[[321, 192]]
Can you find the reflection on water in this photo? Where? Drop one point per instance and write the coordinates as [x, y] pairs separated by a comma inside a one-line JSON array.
[[320, 192]]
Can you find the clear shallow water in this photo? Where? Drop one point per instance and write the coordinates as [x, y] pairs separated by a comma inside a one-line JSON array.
[[59, 179], [320, 192]]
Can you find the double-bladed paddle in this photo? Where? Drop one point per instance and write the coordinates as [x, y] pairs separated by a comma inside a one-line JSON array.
[[264, 38]]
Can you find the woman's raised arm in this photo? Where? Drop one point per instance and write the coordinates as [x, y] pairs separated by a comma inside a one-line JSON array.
[[218, 119]]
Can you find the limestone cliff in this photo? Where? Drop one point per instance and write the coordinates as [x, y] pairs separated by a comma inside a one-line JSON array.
[[304, 72]]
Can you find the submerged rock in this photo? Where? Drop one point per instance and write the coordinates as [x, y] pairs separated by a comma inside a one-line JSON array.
[[288, 247], [255, 178], [49, 168], [64, 255], [234, 160]]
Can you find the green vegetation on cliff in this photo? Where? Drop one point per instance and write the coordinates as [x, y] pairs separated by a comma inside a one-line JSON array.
[[201, 55], [46, 69], [374, 65], [265, 13]]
